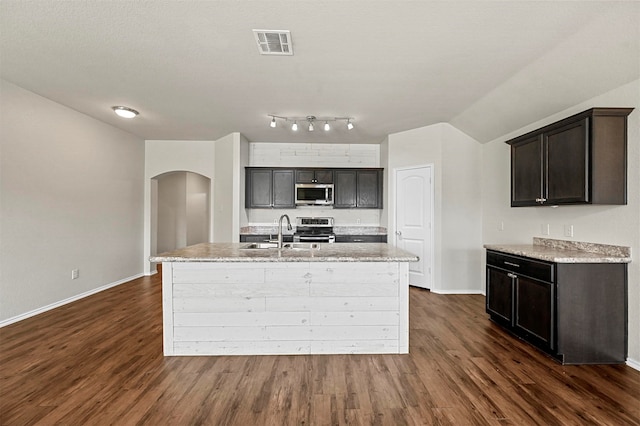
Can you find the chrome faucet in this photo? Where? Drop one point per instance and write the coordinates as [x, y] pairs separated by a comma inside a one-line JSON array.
[[280, 228]]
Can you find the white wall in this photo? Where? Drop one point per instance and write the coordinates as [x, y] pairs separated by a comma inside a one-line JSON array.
[[232, 155], [619, 225], [71, 191], [384, 163], [457, 200], [315, 155], [243, 161], [162, 156], [198, 212], [172, 211]]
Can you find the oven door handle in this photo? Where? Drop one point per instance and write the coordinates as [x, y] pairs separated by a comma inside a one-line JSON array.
[[310, 238]]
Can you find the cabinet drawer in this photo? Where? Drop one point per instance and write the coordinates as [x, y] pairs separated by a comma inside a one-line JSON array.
[[540, 270], [361, 238]]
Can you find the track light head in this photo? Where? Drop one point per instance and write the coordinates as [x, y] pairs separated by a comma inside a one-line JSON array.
[[294, 126], [349, 125], [273, 122], [326, 126]]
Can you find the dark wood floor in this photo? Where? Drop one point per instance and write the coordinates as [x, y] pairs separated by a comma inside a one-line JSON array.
[[99, 361]]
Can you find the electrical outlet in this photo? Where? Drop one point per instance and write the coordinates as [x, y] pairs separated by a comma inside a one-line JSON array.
[[501, 226], [568, 230], [544, 229], [75, 273], [358, 221]]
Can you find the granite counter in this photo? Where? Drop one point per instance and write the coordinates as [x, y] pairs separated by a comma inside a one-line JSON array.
[[562, 251], [235, 252]]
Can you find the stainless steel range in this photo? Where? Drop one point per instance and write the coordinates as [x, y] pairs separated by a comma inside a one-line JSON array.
[[314, 229]]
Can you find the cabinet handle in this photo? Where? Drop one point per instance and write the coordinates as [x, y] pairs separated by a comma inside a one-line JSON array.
[[512, 264], [510, 275], [540, 200], [357, 240]]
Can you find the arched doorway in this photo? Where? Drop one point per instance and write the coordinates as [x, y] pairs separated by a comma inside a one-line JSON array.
[[180, 212]]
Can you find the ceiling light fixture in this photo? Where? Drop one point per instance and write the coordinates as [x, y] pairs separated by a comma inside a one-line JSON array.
[[349, 125], [311, 120], [125, 112]]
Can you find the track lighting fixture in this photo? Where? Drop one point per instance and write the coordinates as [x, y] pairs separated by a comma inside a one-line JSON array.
[[311, 120], [125, 112]]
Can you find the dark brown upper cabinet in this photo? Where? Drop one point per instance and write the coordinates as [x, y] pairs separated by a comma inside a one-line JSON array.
[[314, 176], [579, 160], [269, 188], [358, 188]]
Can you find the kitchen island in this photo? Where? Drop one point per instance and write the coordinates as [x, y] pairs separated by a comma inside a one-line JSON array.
[[226, 299]]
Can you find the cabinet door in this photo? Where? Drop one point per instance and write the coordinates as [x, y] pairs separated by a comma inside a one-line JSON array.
[[314, 176], [345, 189], [361, 238], [567, 166], [535, 309], [368, 194], [254, 238], [305, 176], [526, 172], [324, 176], [499, 301], [283, 189], [259, 184]]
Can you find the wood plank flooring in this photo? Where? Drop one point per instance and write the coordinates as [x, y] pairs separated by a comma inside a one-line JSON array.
[[98, 361]]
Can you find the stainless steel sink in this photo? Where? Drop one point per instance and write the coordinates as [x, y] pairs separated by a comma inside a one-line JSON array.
[[261, 246], [300, 246], [288, 246]]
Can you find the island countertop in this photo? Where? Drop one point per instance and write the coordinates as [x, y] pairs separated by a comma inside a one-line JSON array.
[[326, 252]]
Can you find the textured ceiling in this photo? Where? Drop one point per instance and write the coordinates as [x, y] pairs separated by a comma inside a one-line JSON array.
[[194, 72]]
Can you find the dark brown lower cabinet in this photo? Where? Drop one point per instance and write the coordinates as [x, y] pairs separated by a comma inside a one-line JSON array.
[[576, 312], [500, 290], [534, 306]]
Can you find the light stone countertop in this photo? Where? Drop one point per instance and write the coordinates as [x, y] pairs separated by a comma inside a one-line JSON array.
[[233, 252], [337, 229], [562, 251]]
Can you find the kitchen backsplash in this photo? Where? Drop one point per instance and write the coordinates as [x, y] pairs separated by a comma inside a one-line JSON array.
[[343, 217]]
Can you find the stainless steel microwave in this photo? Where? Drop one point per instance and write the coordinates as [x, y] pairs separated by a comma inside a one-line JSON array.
[[314, 194]]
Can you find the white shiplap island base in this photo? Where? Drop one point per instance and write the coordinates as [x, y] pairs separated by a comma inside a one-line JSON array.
[[220, 299]]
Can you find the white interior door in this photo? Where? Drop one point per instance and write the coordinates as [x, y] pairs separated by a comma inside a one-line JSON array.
[[414, 211]]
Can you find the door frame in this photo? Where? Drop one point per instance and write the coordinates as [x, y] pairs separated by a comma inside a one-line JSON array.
[[393, 221]]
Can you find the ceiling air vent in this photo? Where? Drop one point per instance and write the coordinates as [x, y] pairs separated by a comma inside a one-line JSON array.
[[274, 42]]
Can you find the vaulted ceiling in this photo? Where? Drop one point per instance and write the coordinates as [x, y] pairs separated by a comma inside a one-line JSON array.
[[194, 72]]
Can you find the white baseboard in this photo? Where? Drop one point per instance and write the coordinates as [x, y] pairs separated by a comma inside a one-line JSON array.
[[65, 301], [633, 364], [474, 291]]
